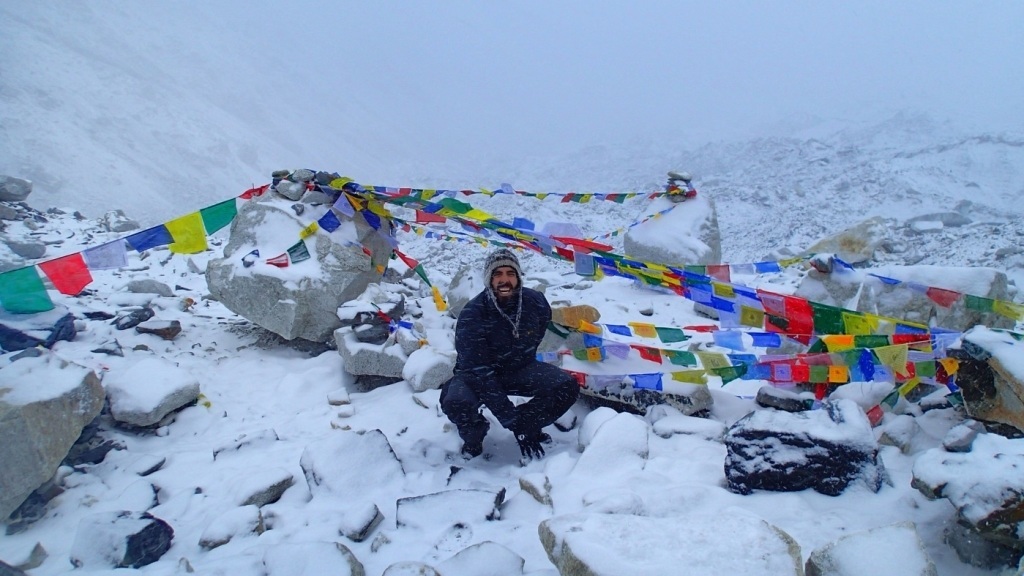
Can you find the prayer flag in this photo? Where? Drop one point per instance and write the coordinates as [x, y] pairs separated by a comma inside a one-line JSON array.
[[647, 381], [22, 291], [254, 192], [279, 261], [309, 230], [107, 256], [838, 342], [150, 238], [648, 353], [329, 221], [189, 234], [644, 330], [944, 298], [69, 274], [711, 360], [827, 319], [584, 263], [979, 303], [670, 335], [838, 374], [766, 339], [690, 376], [681, 357], [298, 252], [344, 205], [619, 329], [894, 357], [219, 215], [732, 339]]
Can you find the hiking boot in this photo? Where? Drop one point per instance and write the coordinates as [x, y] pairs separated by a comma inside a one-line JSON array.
[[572, 316]]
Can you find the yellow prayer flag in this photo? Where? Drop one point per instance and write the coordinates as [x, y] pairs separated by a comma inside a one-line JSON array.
[[723, 290], [585, 198], [309, 230], [589, 328], [690, 376], [339, 183], [189, 234], [951, 365], [486, 191], [1008, 309], [643, 329], [838, 374], [438, 300], [712, 360], [751, 317], [593, 354], [476, 214], [791, 261], [656, 266], [894, 357], [859, 324], [355, 202], [428, 194], [838, 342]]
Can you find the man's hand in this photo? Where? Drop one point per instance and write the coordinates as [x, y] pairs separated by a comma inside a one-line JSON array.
[[530, 445]]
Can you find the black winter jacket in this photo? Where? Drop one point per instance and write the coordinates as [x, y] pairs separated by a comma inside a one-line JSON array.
[[486, 346]]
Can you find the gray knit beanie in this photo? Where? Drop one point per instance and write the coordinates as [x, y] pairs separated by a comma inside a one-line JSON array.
[[497, 259]]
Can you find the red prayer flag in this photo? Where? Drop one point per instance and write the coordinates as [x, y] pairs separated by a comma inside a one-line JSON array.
[[428, 217], [69, 274], [719, 272], [648, 353], [942, 297], [585, 245], [279, 261], [254, 192]]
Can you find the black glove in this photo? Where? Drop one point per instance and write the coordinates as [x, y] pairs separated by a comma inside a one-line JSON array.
[[530, 445]]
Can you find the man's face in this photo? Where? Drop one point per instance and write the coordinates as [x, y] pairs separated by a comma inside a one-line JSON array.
[[504, 282]]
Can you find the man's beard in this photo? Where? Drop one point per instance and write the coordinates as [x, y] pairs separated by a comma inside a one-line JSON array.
[[506, 296]]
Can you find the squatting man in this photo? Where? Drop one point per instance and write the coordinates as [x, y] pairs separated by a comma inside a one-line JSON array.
[[496, 340]]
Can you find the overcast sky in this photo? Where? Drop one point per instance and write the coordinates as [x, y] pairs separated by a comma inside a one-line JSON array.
[[554, 75], [444, 82]]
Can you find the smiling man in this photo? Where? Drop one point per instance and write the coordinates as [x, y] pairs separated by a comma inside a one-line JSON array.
[[496, 339]]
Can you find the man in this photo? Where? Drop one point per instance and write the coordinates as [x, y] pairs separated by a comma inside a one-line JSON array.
[[496, 339]]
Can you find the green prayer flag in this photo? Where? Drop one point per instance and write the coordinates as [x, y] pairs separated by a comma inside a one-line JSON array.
[[892, 398], [455, 205], [925, 369], [730, 373], [978, 303], [871, 341], [298, 252], [422, 274], [219, 215], [827, 319], [669, 335], [22, 292], [819, 374], [680, 357], [817, 347]]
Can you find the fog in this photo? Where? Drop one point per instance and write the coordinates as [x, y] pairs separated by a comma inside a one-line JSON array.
[[203, 100]]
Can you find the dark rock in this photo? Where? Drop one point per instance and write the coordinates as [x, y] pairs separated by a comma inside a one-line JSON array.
[[372, 333], [141, 545], [8, 570], [98, 315], [821, 449], [991, 391], [110, 347], [974, 549], [367, 382], [133, 318], [772, 397], [165, 330]]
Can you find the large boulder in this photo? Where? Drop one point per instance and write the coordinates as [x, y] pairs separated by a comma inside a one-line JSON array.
[[302, 299], [823, 449], [687, 235], [896, 550], [984, 485], [863, 291], [989, 376], [45, 403], [856, 244], [595, 544], [14, 189]]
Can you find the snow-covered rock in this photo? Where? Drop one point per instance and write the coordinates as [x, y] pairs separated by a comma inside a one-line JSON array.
[[45, 402], [591, 544], [895, 550], [299, 301], [120, 540], [686, 235], [823, 449], [147, 391], [991, 376]]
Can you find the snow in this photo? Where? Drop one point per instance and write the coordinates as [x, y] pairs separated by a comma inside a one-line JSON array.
[[161, 112], [38, 379]]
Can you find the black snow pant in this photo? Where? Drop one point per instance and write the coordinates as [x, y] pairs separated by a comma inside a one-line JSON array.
[[552, 392]]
